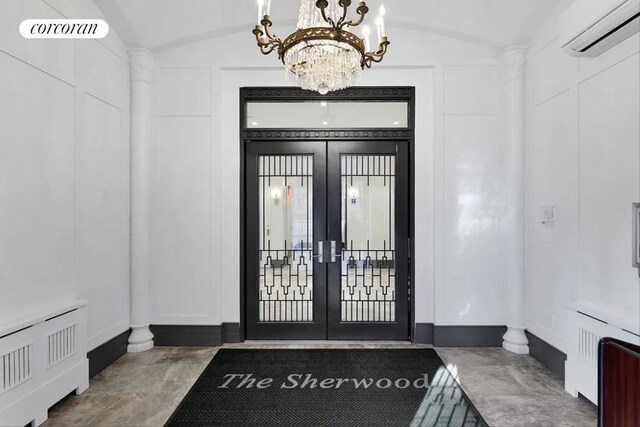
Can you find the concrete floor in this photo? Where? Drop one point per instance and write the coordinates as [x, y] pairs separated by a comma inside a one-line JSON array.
[[143, 389]]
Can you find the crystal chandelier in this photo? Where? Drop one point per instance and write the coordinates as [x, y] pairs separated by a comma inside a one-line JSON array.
[[323, 55]]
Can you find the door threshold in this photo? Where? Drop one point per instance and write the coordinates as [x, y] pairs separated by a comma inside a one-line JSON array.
[[327, 342]]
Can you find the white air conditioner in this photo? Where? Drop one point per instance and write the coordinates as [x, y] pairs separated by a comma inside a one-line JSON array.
[[590, 27]]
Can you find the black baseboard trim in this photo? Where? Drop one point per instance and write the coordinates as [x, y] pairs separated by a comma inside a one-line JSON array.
[[424, 333], [107, 353], [459, 336], [177, 335], [468, 336], [195, 335], [552, 358], [230, 333]]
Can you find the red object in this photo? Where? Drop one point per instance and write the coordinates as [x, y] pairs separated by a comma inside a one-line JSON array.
[[618, 383]]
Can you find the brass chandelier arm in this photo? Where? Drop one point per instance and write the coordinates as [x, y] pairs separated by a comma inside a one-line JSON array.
[[345, 9], [322, 5], [269, 43], [266, 48], [362, 11], [370, 57], [266, 24]]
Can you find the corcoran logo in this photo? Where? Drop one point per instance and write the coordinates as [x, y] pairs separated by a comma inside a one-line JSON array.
[[64, 28]]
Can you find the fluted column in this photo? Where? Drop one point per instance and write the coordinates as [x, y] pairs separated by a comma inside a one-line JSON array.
[[141, 64], [515, 339]]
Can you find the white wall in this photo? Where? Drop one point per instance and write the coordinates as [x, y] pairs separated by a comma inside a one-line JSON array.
[[64, 169], [583, 157], [460, 176]]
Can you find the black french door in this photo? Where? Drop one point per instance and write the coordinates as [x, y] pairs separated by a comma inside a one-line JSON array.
[[286, 284], [326, 243]]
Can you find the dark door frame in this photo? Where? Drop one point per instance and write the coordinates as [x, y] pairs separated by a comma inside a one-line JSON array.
[[292, 94]]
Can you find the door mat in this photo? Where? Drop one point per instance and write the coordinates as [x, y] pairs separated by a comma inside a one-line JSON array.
[[332, 387]]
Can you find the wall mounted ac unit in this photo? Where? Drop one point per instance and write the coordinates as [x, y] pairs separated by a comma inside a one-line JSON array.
[[590, 27]]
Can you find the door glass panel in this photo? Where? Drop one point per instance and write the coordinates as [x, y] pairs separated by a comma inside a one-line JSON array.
[[326, 114], [368, 227], [286, 238]]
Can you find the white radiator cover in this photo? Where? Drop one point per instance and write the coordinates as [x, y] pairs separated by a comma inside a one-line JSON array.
[[43, 357], [585, 329]]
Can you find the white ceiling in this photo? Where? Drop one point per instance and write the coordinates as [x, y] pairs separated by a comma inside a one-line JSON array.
[[162, 24]]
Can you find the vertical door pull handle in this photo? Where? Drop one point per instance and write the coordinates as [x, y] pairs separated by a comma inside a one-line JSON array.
[[320, 254], [334, 255]]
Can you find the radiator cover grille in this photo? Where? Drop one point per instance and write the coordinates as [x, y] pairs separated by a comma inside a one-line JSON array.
[[16, 367], [61, 345]]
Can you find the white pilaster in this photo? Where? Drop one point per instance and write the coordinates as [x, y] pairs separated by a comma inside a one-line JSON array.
[[142, 64], [515, 339]]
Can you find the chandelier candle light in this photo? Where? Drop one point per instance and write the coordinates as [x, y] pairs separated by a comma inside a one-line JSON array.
[[322, 54]]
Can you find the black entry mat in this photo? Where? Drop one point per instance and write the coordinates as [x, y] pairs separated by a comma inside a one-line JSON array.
[[326, 387]]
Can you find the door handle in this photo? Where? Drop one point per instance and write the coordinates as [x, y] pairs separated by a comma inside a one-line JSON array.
[[320, 254], [334, 255]]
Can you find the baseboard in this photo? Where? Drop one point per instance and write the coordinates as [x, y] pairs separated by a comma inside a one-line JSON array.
[[552, 358], [459, 336], [230, 333], [195, 335], [107, 353], [468, 336], [424, 333]]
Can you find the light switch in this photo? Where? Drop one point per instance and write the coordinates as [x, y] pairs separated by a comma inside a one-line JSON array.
[[548, 215]]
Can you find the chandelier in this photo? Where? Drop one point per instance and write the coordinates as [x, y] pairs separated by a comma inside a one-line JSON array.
[[323, 55]]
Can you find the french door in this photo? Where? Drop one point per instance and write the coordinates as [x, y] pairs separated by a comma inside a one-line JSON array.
[[326, 248]]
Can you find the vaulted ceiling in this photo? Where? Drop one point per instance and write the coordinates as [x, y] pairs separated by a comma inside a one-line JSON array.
[[162, 24]]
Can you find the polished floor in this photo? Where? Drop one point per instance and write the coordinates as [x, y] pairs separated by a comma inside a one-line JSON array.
[[143, 389]]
